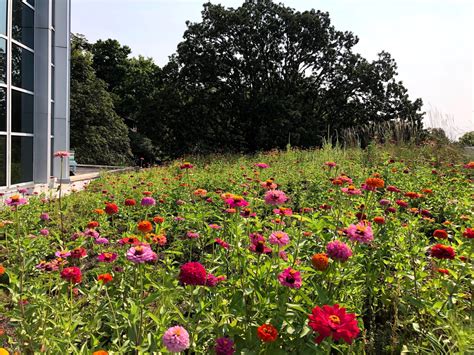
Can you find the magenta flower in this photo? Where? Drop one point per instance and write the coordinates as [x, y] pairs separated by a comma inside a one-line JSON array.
[[279, 238], [261, 165], [214, 226], [362, 232], [176, 339], [384, 202], [222, 243], [44, 216], [44, 232], [275, 197], [338, 250], [148, 201], [106, 257], [63, 254], [236, 201], [192, 235], [141, 254], [290, 278], [351, 190], [224, 346], [258, 244], [212, 280], [15, 201], [101, 240]]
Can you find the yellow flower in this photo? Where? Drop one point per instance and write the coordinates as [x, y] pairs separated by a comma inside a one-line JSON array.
[[4, 351]]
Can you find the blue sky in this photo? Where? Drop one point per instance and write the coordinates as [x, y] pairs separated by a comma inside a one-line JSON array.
[[430, 40]]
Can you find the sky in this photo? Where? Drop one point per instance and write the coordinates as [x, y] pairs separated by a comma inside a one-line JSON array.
[[431, 41]]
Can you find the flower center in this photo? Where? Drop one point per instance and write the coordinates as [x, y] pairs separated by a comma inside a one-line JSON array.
[[139, 250], [335, 319], [15, 198]]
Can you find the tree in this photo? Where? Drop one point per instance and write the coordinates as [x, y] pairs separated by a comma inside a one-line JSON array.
[[98, 134], [256, 76], [467, 139]]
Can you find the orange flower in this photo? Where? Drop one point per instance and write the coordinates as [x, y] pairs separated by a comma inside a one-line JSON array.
[[99, 211], [105, 278], [2, 270], [92, 224], [100, 352], [200, 192], [375, 183], [145, 226], [412, 194], [320, 261]]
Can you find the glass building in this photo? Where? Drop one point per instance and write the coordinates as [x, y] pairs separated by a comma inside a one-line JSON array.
[[34, 90]]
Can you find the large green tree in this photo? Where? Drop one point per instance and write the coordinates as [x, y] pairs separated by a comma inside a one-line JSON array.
[[98, 134], [259, 75]]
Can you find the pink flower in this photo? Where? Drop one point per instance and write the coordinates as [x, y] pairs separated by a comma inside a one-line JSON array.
[[141, 254], [330, 164], [279, 238], [61, 154], [283, 211], [258, 244], [290, 278], [338, 250], [261, 165], [192, 235], [222, 243], [44, 232], [101, 240], [148, 201], [214, 226], [275, 197], [15, 201], [63, 254], [236, 201], [212, 280], [351, 190], [362, 232], [106, 257], [176, 339]]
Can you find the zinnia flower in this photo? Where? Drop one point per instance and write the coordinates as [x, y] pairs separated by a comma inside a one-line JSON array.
[[111, 208], [72, 274], [338, 250], [440, 233], [374, 183], [2, 270], [129, 240], [44, 216], [320, 261], [176, 339], [224, 346], [362, 232], [222, 243], [279, 238], [275, 197], [261, 165], [468, 233], [192, 273], [290, 278], [148, 201], [105, 278], [15, 201], [145, 226], [258, 244], [351, 190], [130, 202], [333, 322], [78, 253], [106, 257], [186, 165], [61, 154], [441, 251], [267, 333], [236, 201], [192, 235], [141, 254]]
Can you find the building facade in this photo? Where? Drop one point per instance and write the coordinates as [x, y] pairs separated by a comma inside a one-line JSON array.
[[34, 90]]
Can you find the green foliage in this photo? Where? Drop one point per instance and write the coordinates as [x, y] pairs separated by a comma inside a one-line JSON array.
[[467, 139], [98, 134], [402, 302]]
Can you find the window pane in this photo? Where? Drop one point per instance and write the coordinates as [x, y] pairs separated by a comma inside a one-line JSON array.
[[3, 60], [22, 68], [3, 160], [22, 159], [3, 17], [23, 23], [3, 109], [22, 112]]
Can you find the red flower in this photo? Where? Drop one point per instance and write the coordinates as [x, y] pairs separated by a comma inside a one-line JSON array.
[[441, 251], [72, 274], [111, 208], [333, 322], [443, 271], [158, 219], [78, 253], [192, 273], [379, 220], [130, 202], [92, 224], [267, 333], [469, 233], [440, 233], [105, 278]]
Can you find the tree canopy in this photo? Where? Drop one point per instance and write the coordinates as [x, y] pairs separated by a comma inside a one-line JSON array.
[[252, 78]]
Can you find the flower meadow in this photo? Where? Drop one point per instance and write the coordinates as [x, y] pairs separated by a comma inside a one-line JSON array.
[[296, 252]]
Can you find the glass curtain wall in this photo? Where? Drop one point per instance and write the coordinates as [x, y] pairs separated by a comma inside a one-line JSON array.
[[16, 91]]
